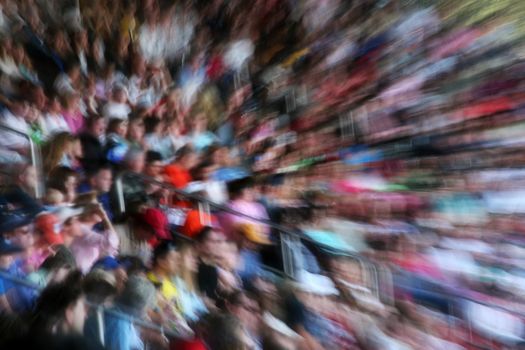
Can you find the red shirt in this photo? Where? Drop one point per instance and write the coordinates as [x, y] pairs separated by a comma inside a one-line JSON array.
[[177, 176]]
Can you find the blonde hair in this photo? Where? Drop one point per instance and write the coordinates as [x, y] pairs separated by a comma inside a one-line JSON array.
[[55, 149], [53, 197]]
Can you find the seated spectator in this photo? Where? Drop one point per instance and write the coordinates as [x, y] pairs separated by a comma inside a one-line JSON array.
[[62, 149], [67, 82], [8, 252], [178, 173], [136, 132], [13, 117], [250, 241], [90, 245], [209, 242], [228, 265], [201, 138], [92, 143], [135, 300], [158, 139], [247, 310], [116, 143], [65, 180], [53, 121], [186, 284], [72, 113], [117, 107], [243, 200], [100, 181]]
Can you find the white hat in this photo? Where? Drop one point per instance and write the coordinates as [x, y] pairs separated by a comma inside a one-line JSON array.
[[66, 212], [315, 284], [279, 326]]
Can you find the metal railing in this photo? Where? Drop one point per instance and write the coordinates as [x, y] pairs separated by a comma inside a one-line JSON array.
[[36, 159], [287, 235]]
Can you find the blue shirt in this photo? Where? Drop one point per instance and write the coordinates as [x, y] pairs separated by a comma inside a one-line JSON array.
[[252, 264]]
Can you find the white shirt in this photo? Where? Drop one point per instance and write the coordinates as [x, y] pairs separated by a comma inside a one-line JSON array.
[[114, 110], [53, 124], [9, 139]]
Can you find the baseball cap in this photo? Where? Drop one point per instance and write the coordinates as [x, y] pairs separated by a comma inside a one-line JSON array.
[[11, 220], [48, 225], [65, 213], [250, 231], [157, 220]]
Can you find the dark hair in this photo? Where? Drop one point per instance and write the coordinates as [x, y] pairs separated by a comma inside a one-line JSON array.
[[113, 124], [151, 123], [58, 176], [221, 333], [153, 156], [162, 250], [63, 258], [92, 120], [92, 172], [203, 234], [54, 301], [183, 152], [236, 187]]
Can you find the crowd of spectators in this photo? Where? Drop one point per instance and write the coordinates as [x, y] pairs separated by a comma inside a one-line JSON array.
[[261, 174]]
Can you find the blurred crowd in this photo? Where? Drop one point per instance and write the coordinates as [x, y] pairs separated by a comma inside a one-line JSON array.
[[266, 174]]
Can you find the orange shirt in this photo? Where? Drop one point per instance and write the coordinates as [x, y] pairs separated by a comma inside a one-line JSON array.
[[177, 176]]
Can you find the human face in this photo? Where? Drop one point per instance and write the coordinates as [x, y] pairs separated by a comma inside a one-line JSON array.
[[76, 316], [28, 178], [137, 164], [71, 184], [103, 181], [213, 244], [99, 127], [23, 237], [189, 261], [154, 169], [72, 227], [168, 264], [136, 130]]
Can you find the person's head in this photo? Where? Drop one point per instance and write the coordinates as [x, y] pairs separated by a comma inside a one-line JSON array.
[[225, 332], [100, 286], [59, 146], [137, 296], [154, 164], [229, 259], [96, 125], [19, 106], [70, 101], [136, 129], [54, 105], [118, 127], [246, 308], [134, 160], [27, 177], [119, 94], [73, 71], [100, 179], [69, 222], [59, 265], [61, 308], [241, 189], [200, 123], [91, 215], [209, 242], [53, 197], [187, 157], [65, 180], [21, 236], [165, 258]]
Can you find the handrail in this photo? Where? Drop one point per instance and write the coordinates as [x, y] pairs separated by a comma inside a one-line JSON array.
[[35, 159], [135, 320], [288, 260]]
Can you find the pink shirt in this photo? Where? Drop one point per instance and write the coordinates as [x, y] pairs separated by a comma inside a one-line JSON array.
[[91, 246], [253, 209], [74, 120]]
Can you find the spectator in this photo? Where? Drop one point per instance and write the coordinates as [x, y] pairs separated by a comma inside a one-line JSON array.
[[250, 242], [90, 245], [100, 181], [117, 107], [178, 173], [243, 200], [67, 83], [65, 180], [209, 242], [54, 121], [14, 118], [62, 150], [116, 143], [71, 112], [92, 143], [136, 298]]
